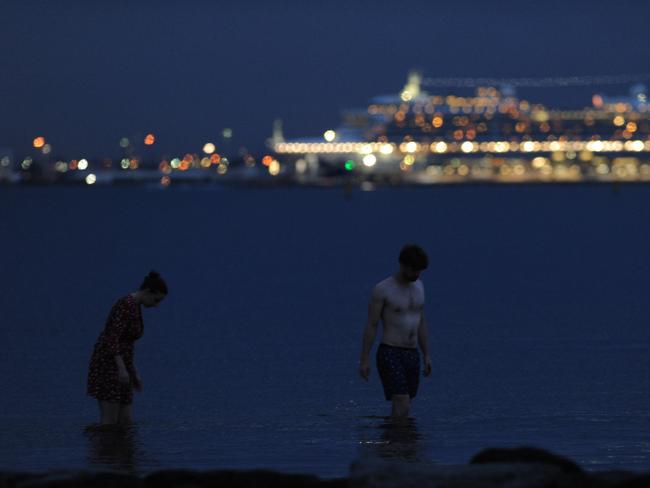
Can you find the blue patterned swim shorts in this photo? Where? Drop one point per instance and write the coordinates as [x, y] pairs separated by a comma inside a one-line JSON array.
[[399, 370]]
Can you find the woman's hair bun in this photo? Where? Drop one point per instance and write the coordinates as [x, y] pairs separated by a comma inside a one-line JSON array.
[[154, 282]]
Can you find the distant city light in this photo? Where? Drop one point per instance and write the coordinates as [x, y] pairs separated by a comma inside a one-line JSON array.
[[411, 146], [149, 139], [47, 149], [165, 181], [124, 142], [27, 163], [467, 147], [301, 166], [209, 148], [5, 161], [350, 165], [39, 142], [274, 168], [267, 160], [91, 179], [82, 165], [205, 162], [175, 163], [365, 149], [329, 135], [222, 168], [386, 149], [227, 133], [539, 162], [528, 146], [125, 163], [369, 160], [439, 147]]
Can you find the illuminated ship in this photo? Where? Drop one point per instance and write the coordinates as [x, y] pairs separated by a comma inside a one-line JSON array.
[[489, 136]]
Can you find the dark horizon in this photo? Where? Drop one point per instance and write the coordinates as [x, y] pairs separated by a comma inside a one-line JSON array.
[[84, 76]]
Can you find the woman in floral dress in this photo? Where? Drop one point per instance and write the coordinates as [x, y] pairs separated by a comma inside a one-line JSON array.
[[112, 375]]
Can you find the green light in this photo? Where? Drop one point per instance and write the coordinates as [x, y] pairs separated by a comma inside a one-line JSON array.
[[349, 165]]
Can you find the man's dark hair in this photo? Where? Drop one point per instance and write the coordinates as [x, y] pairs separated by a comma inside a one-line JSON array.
[[154, 283], [414, 256]]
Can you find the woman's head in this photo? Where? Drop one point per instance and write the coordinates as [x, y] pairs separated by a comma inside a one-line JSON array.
[[153, 289]]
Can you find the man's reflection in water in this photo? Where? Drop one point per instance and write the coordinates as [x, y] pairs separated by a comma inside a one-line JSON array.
[[114, 447], [398, 438]]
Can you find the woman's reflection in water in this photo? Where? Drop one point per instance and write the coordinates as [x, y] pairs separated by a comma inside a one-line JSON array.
[[397, 439], [115, 447]]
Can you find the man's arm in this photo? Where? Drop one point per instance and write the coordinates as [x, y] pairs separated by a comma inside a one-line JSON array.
[[424, 346], [374, 314]]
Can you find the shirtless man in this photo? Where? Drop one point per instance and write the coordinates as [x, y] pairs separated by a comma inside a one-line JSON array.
[[399, 302]]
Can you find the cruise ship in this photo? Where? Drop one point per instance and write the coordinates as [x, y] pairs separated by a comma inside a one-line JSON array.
[[490, 135]]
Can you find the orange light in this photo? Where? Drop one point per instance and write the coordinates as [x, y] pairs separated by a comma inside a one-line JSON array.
[[215, 159], [149, 139], [39, 142], [185, 165], [267, 160]]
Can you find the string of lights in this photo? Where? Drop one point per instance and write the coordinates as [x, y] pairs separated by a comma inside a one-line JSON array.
[[545, 82]]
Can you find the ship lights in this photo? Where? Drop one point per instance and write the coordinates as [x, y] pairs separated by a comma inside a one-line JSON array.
[[329, 135]]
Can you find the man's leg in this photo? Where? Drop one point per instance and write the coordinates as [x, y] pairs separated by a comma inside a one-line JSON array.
[[125, 417], [109, 412], [401, 406]]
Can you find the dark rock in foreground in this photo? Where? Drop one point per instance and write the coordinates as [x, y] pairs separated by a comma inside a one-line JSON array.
[[168, 479], [492, 468]]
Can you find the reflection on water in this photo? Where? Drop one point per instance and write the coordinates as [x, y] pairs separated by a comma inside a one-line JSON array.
[[395, 439], [114, 447]]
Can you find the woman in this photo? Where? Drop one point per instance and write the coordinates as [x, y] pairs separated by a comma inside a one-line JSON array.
[[112, 375]]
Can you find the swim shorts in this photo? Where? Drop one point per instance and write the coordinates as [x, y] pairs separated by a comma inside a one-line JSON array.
[[399, 370]]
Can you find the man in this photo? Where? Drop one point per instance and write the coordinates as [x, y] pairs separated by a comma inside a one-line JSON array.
[[399, 302]]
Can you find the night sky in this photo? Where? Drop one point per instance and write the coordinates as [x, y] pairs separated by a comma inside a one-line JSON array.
[[86, 73]]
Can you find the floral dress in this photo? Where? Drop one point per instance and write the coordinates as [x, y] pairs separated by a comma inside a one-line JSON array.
[[123, 327]]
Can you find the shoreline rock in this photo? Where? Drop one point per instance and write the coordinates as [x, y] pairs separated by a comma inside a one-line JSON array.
[[490, 468]]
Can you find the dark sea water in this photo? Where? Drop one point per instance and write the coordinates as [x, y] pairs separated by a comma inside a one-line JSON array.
[[537, 304]]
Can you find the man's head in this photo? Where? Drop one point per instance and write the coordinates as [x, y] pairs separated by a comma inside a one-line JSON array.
[[412, 261]]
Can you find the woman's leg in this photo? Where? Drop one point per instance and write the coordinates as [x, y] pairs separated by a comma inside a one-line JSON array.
[[109, 412], [124, 416]]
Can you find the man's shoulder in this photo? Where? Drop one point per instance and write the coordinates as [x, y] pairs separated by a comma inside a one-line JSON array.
[[386, 282], [381, 288]]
